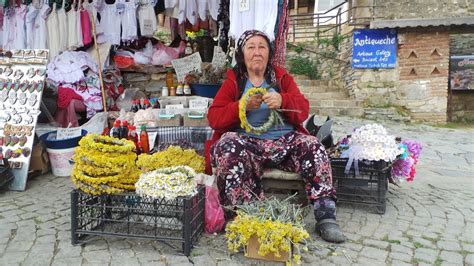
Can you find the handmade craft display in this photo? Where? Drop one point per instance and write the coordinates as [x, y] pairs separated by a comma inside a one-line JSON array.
[[22, 75]]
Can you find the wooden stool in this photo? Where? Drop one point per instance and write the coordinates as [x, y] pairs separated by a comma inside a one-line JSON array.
[[282, 184]]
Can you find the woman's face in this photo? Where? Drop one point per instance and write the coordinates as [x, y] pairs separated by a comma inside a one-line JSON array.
[[256, 53]]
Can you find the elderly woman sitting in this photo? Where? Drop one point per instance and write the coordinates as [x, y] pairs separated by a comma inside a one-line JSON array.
[[240, 156]]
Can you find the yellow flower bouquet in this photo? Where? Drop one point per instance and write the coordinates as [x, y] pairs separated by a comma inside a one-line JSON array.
[[276, 225]]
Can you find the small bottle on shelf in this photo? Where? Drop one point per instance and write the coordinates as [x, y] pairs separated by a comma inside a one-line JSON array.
[[186, 90], [123, 130], [139, 148], [172, 91], [146, 104], [164, 91], [115, 131], [144, 139], [132, 134], [188, 50], [169, 79], [179, 90]]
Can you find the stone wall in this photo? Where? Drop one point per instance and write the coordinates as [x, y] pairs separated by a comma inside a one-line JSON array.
[[406, 9], [423, 64], [462, 106], [462, 44]]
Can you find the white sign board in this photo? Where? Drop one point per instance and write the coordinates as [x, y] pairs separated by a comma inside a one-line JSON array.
[[68, 133], [218, 59], [187, 64], [172, 109], [198, 104]]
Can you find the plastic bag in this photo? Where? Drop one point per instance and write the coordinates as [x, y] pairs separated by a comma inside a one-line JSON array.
[[164, 54], [144, 56], [213, 212]]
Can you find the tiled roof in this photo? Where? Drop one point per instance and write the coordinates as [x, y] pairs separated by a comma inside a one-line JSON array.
[[422, 22]]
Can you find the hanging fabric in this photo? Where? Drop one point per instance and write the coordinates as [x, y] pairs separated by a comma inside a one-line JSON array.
[[77, 11], [72, 41], [110, 20], [53, 32], [85, 26], [147, 19], [19, 34], [281, 33], [224, 24], [31, 14], [261, 15], [8, 20], [128, 19], [40, 32]]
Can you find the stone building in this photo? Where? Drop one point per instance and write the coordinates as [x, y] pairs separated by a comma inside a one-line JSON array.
[[429, 33]]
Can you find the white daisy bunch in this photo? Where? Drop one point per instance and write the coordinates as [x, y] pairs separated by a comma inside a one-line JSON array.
[[168, 183], [372, 142]]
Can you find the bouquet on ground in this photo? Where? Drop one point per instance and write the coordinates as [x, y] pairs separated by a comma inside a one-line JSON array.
[[277, 226], [403, 167]]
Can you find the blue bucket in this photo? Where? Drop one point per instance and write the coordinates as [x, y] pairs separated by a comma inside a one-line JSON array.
[[205, 90], [50, 141]]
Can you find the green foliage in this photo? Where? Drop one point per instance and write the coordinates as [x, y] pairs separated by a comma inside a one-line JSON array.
[[332, 42], [298, 48], [304, 66]]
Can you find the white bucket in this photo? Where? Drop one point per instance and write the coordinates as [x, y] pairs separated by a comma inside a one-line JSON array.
[[61, 164]]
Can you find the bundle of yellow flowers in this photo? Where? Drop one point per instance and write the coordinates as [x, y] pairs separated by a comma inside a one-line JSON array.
[[172, 156], [104, 165], [277, 225]]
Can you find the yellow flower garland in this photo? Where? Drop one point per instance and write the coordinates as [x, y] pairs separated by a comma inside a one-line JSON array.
[[104, 165], [127, 177], [244, 123], [172, 156], [96, 189], [106, 144], [95, 170], [109, 159]]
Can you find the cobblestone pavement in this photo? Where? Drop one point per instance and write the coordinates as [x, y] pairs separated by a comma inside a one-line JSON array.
[[429, 221]]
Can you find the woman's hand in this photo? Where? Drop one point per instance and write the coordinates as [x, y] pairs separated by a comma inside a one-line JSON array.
[[254, 102], [272, 99]]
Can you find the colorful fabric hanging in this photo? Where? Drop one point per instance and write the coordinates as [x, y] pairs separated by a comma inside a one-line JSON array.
[[281, 33]]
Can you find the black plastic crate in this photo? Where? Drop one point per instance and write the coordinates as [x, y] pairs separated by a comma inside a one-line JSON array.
[[178, 221], [369, 187]]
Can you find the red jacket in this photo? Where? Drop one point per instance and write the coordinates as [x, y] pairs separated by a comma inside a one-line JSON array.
[[223, 114]]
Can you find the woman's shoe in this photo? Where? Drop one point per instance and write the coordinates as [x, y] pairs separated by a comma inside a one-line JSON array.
[[330, 231]]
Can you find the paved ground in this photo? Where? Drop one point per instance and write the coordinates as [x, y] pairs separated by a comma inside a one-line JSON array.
[[429, 221]]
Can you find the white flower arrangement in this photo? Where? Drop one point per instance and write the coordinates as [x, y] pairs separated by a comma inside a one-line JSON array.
[[168, 183], [372, 142]]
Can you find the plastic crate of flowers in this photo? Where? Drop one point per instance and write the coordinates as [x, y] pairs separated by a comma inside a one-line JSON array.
[[365, 162], [269, 229]]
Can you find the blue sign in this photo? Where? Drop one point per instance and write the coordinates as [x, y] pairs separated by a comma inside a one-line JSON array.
[[374, 48]]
